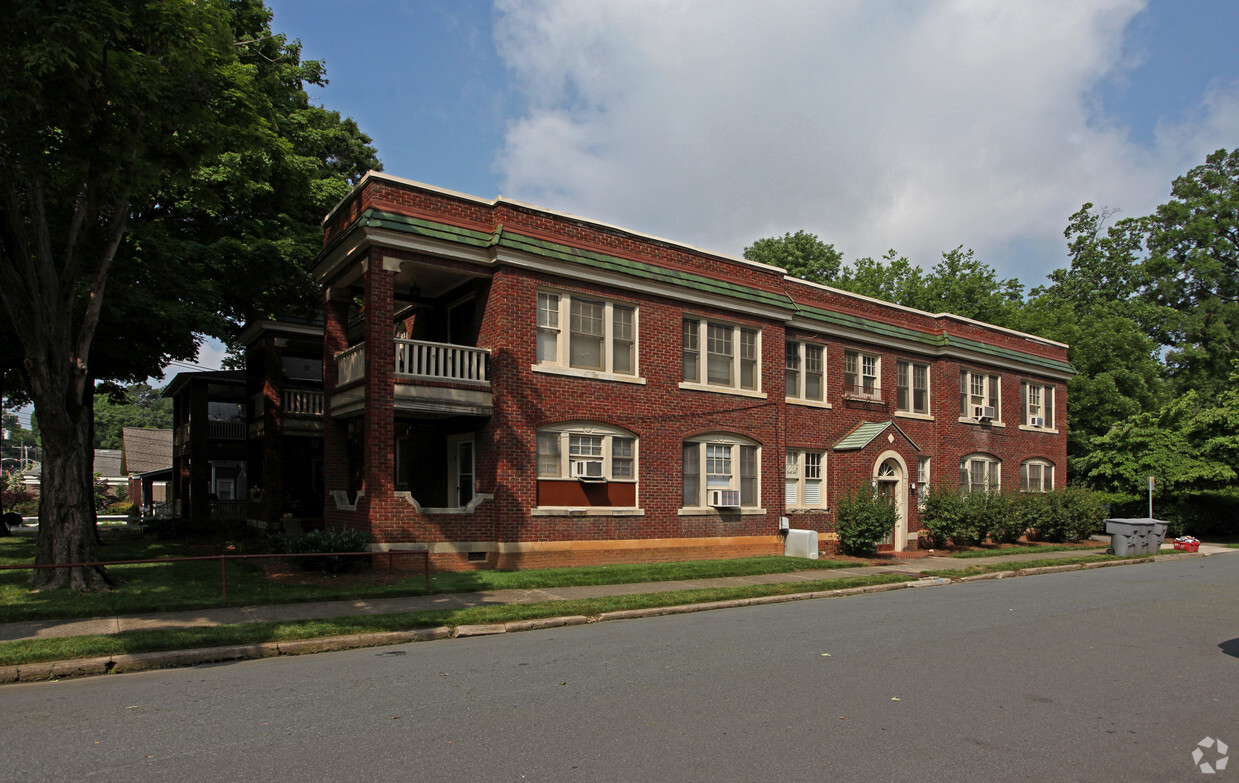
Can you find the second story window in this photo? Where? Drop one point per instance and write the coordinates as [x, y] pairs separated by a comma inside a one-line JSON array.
[[1037, 402], [912, 387], [805, 371], [979, 396], [600, 335], [860, 375], [731, 358]]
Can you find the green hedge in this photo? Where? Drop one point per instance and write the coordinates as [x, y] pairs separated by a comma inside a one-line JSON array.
[[323, 541], [971, 519], [862, 519]]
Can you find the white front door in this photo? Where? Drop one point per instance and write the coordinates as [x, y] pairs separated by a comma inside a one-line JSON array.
[[892, 483]]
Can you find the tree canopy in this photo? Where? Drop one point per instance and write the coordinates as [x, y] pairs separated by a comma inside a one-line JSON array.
[[162, 175], [1149, 307]]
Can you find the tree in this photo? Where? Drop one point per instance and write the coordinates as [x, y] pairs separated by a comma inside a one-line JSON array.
[[964, 285], [136, 405], [162, 152], [802, 254], [893, 278], [1194, 270]]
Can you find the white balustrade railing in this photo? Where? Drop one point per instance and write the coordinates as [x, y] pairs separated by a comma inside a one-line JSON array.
[[351, 364], [298, 402], [442, 361], [419, 359]]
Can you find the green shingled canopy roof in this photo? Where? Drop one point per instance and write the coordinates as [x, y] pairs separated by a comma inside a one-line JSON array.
[[864, 434]]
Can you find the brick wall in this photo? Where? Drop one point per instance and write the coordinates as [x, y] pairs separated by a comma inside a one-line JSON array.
[[659, 413]]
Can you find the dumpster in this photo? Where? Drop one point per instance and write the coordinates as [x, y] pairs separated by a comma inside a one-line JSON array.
[[1159, 535], [1131, 537]]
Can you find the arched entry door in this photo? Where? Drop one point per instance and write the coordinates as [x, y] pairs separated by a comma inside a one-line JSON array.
[[891, 479]]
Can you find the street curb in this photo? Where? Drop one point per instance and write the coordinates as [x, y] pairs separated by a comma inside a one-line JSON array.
[[117, 664]]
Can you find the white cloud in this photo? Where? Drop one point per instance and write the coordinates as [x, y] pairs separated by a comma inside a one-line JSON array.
[[917, 126]]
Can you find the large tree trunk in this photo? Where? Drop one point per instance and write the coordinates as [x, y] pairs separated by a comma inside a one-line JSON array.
[[67, 501]]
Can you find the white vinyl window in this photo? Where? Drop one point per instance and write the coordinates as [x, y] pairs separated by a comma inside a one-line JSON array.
[[804, 479], [861, 373], [980, 473], [600, 335], [912, 387], [731, 358], [805, 371], [1037, 402], [1037, 475], [979, 396], [721, 464], [585, 451]]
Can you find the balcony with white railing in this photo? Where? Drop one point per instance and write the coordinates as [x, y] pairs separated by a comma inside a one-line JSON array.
[[430, 378], [302, 402]]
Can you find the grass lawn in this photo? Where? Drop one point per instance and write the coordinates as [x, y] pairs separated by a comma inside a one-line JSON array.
[[985, 568], [58, 649], [196, 585], [1024, 549]]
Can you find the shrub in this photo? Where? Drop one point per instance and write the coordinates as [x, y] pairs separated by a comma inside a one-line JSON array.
[[1007, 523], [862, 519], [121, 507], [1070, 515], [322, 541], [941, 514]]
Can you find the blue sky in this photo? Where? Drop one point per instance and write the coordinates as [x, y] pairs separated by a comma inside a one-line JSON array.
[[914, 126]]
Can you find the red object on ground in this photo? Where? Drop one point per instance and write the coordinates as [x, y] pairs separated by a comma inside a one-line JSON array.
[[1186, 546]]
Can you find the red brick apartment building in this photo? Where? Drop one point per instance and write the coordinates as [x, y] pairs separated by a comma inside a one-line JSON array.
[[511, 386]]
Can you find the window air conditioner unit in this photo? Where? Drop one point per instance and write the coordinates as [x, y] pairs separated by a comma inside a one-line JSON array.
[[1037, 421], [587, 469], [983, 412], [725, 498]]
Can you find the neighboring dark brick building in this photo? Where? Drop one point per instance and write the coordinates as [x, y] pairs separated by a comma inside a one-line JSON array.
[[511, 386]]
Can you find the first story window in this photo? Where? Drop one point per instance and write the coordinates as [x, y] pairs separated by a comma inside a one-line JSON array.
[[912, 387], [723, 355], [979, 473], [1037, 401], [600, 334], [860, 374], [587, 451], [1037, 475], [804, 479], [805, 371], [721, 471], [979, 396]]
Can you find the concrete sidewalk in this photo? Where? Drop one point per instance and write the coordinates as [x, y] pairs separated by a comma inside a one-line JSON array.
[[43, 629]]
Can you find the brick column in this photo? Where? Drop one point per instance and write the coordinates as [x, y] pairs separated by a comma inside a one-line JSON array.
[[335, 435], [272, 431], [379, 415]]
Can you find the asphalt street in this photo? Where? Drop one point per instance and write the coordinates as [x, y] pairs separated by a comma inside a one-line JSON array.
[[1099, 675]]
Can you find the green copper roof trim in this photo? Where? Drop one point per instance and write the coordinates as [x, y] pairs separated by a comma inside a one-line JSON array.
[[1008, 353], [500, 237], [503, 238], [410, 225], [864, 434], [643, 270], [932, 340]]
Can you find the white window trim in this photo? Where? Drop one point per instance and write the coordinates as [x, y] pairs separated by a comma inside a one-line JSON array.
[[590, 429], [560, 365], [924, 470], [995, 470], [996, 402], [800, 399], [703, 362], [912, 414], [734, 442], [1047, 391], [801, 479], [860, 355], [1047, 474]]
